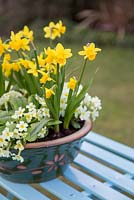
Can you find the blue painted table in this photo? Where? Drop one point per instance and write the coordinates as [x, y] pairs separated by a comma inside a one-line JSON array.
[[103, 170]]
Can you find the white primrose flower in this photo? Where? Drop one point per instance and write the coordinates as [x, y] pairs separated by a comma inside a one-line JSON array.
[[34, 113], [87, 99], [45, 112], [84, 113], [16, 134], [65, 91], [39, 114], [3, 142], [43, 132], [18, 158], [31, 107], [63, 106], [40, 100], [62, 111], [4, 153], [19, 145], [18, 113], [7, 134], [28, 116], [96, 103], [22, 126], [94, 115]]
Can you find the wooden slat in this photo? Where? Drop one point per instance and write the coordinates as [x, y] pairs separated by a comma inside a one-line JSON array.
[[63, 191], [106, 173], [3, 197], [22, 191], [108, 157], [111, 145], [97, 188]]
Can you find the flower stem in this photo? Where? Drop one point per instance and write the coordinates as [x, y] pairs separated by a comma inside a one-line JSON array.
[[84, 66], [80, 79]]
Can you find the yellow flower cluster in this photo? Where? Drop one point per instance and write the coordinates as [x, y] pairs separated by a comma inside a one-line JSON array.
[[17, 42], [54, 30], [45, 65]]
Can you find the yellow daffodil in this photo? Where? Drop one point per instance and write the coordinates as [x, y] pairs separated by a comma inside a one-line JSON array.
[[51, 68], [90, 51], [16, 66], [49, 93], [6, 66], [18, 43], [33, 70], [7, 57], [61, 29], [45, 77], [50, 55], [27, 33], [41, 60], [50, 31], [3, 47], [72, 83], [54, 30], [62, 54]]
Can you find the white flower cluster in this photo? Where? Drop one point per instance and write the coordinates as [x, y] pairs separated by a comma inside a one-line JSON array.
[[89, 108], [15, 132]]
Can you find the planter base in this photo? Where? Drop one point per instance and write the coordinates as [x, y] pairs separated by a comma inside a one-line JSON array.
[[44, 161]]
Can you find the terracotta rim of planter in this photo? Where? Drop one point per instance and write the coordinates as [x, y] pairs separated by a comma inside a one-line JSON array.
[[75, 136]]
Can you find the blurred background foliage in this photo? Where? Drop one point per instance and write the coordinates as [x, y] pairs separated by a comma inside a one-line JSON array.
[[108, 23]]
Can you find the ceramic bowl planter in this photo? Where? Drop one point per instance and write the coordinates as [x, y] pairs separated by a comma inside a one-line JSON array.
[[44, 161]]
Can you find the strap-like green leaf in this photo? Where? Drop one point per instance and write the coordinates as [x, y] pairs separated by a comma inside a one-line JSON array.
[[33, 133], [17, 102], [4, 116]]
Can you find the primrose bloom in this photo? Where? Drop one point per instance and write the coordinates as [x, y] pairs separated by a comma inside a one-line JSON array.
[[17, 157], [31, 107], [43, 132], [7, 134], [22, 126], [72, 83], [19, 145], [3, 142], [18, 113], [90, 51]]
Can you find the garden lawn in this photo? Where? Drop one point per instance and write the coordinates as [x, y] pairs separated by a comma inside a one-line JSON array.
[[114, 84]]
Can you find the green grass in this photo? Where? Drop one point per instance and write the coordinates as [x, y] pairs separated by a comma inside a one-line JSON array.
[[114, 84]]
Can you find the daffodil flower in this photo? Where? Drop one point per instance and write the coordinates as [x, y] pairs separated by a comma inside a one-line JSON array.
[[90, 51]]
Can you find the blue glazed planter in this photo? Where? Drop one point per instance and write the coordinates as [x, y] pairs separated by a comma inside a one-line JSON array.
[[44, 161]]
